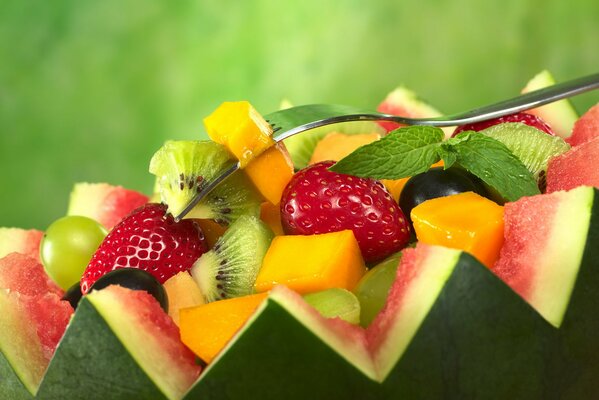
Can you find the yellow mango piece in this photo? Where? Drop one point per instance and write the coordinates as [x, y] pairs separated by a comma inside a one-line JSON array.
[[464, 221], [312, 263], [336, 145], [270, 172], [271, 215], [395, 186], [207, 329], [182, 292], [212, 230], [241, 129]]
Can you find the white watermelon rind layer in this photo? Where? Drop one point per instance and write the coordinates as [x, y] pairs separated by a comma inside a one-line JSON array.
[[559, 265], [26, 354], [560, 115], [433, 272]]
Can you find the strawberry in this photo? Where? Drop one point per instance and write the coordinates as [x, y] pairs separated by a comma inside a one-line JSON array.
[[524, 118], [317, 200], [147, 239]]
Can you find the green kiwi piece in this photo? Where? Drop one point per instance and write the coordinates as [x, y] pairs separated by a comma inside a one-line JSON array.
[[184, 167], [301, 147], [231, 267], [336, 302], [530, 145]]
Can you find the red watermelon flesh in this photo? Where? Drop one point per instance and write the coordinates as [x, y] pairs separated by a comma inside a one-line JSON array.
[[24, 241], [576, 167], [150, 336], [544, 242], [586, 128], [25, 275], [104, 203]]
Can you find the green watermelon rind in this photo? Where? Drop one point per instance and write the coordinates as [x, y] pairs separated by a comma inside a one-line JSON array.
[[91, 362], [11, 386]]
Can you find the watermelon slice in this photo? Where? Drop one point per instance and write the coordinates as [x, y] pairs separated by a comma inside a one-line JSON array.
[[32, 321], [124, 337], [105, 203], [586, 128], [560, 115], [576, 167], [24, 241], [405, 103], [545, 237]]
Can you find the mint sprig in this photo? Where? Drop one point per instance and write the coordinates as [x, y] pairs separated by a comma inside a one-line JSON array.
[[403, 152], [409, 151]]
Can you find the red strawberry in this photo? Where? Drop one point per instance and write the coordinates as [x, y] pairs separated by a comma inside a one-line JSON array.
[[317, 200], [524, 118], [147, 239]]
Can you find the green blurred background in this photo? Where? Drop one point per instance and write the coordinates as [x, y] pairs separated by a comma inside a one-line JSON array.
[[89, 89]]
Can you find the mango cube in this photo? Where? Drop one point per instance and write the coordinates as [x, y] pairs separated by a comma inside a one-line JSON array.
[[241, 129], [312, 263], [465, 221], [270, 172], [206, 329]]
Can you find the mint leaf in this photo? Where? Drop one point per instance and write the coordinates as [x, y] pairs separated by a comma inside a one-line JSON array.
[[447, 154], [494, 163], [402, 153]]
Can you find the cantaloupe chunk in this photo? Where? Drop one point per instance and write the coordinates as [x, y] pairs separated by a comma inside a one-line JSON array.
[[212, 230], [311, 263], [241, 129], [271, 172], [336, 145], [464, 221], [182, 292], [271, 215], [206, 329]]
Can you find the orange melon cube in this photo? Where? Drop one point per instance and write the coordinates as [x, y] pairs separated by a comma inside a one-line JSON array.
[[271, 215], [465, 221], [336, 145], [207, 329], [182, 292], [212, 230], [312, 263], [270, 172], [241, 129]]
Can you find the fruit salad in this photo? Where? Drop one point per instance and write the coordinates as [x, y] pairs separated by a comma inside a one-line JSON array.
[[361, 260]]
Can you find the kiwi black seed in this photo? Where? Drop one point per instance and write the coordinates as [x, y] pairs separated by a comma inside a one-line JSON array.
[[230, 268], [184, 167]]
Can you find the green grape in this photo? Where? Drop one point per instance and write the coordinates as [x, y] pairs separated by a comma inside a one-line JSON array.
[[336, 302], [373, 288], [67, 246]]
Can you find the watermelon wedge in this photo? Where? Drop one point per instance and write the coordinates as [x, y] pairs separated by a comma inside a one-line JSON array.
[[124, 337], [24, 241], [586, 128], [105, 203], [577, 167], [33, 319]]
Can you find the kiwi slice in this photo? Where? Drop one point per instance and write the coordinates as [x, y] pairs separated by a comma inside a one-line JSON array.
[[231, 267], [336, 302], [302, 146], [184, 167], [530, 145]]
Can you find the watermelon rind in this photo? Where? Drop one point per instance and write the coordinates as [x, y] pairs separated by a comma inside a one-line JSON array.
[[11, 386], [92, 363], [560, 115]]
